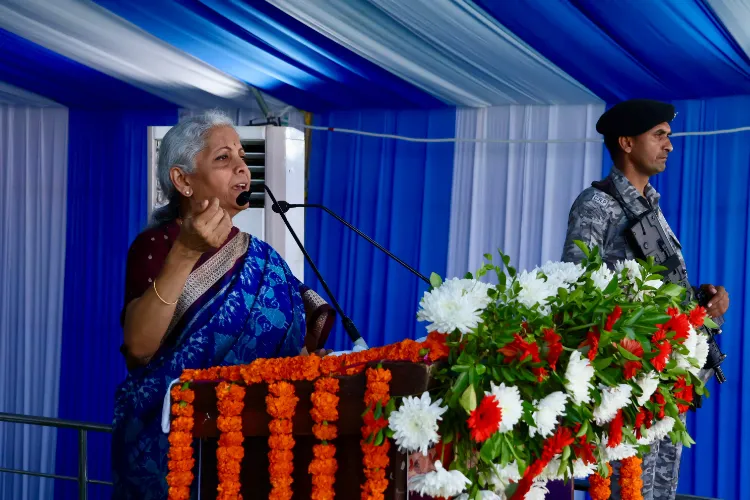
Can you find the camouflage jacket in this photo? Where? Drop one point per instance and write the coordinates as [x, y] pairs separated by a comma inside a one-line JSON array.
[[597, 219]]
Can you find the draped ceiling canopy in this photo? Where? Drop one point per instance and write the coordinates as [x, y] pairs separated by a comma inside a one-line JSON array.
[[359, 54]]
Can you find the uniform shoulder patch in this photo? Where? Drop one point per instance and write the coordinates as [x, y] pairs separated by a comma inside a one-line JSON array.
[[601, 200]]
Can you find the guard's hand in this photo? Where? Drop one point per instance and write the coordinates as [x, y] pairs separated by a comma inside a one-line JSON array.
[[718, 300], [320, 352], [207, 229]]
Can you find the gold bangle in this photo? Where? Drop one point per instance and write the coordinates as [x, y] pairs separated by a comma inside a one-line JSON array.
[[164, 301]]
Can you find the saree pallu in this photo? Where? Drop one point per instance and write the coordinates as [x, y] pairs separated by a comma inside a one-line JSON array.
[[243, 303]]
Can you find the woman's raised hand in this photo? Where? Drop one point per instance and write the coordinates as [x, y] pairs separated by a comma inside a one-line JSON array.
[[207, 229]]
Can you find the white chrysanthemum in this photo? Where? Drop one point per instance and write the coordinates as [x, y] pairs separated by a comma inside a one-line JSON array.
[[690, 343], [658, 431], [613, 399], [534, 290], [632, 267], [483, 495], [602, 277], [562, 274], [439, 483], [550, 471], [648, 382], [501, 477], [510, 402], [581, 470], [457, 304], [619, 452], [701, 352], [548, 410], [578, 376], [538, 491], [415, 423]]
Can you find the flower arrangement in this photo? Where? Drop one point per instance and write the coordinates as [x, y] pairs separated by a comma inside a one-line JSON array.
[[230, 402], [551, 374], [546, 374]]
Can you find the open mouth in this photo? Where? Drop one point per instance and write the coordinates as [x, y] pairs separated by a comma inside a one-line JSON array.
[[240, 187]]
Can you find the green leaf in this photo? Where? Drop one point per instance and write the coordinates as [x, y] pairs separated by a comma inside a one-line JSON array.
[[185, 386], [613, 285], [468, 276], [460, 368], [435, 280], [584, 429], [488, 257], [672, 290], [602, 363], [481, 369], [390, 406], [710, 323], [461, 383], [627, 354], [183, 404], [369, 407], [378, 410], [583, 248], [469, 399], [506, 259], [491, 448], [379, 438]]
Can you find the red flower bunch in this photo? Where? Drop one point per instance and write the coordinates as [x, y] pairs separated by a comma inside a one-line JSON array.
[[636, 349], [612, 319], [592, 342], [683, 391], [662, 350], [519, 349], [553, 343], [553, 445]]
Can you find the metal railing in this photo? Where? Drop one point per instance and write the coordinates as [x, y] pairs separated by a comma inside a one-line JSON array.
[[83, 428]]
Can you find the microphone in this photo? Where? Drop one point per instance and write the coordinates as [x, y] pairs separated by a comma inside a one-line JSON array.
[[283, 207], [351, 329]]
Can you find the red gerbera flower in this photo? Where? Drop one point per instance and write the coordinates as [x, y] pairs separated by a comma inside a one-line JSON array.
[[681, 327], [683, 391], [592, 340], [698, 316], [615, 431], [521, 349], [660, 402], [612, 319], [485, 420], [554, 347], [663, 350], [640, 420], [673, 311], [582, 449], [636, 349]]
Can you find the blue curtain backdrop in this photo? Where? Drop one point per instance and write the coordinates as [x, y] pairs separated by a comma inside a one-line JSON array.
[[107, 193], [705, 198], [396, 192]]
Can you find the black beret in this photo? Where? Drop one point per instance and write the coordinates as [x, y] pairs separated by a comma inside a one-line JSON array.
[[634, 117]]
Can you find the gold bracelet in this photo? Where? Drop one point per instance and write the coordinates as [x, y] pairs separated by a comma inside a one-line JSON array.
[[165, 302]]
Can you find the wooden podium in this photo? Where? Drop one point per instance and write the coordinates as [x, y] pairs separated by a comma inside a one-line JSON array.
[[408, 379]]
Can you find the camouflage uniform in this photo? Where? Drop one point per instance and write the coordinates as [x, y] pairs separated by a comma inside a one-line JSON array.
[[598, 219]]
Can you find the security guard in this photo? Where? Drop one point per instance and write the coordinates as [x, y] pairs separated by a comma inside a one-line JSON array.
[[636, 133]]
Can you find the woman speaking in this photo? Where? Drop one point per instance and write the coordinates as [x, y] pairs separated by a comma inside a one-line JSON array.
[[199, 293]]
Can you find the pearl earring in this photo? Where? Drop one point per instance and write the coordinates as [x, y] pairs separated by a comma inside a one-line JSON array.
[[188, 192]]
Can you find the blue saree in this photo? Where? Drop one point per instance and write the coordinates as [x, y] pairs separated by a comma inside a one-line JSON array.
[[241, 304]]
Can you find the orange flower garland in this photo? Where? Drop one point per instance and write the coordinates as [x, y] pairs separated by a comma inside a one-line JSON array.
[[229, 454], [631, 483], [599, 487], [280, 404], [374, 445], [181, 459], [325, 410]]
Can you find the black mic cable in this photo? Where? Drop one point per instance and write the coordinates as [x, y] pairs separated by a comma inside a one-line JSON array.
[[351, 329], [282, 207]]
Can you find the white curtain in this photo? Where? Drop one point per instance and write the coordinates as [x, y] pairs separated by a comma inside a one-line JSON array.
[[33, 172], [452, 49], [516, 197]]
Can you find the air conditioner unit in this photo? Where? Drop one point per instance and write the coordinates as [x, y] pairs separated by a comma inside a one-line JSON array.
[[276, 157]]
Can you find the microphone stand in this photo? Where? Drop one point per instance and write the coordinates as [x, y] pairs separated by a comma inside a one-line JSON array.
[[349, 326], [282, 207]]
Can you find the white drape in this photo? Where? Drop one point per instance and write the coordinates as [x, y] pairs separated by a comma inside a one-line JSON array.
[[449, 48], [33, 172], [516, 197]]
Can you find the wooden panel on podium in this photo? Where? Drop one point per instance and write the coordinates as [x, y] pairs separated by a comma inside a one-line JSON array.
[[408, 379]]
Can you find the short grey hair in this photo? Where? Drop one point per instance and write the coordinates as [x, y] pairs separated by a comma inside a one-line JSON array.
[[180, 146]]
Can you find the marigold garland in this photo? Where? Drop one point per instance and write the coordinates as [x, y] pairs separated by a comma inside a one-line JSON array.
[[280, 404], [181, 459], [325, 411], [374, 444], [631, 482], [599, 487], [229, 454]]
